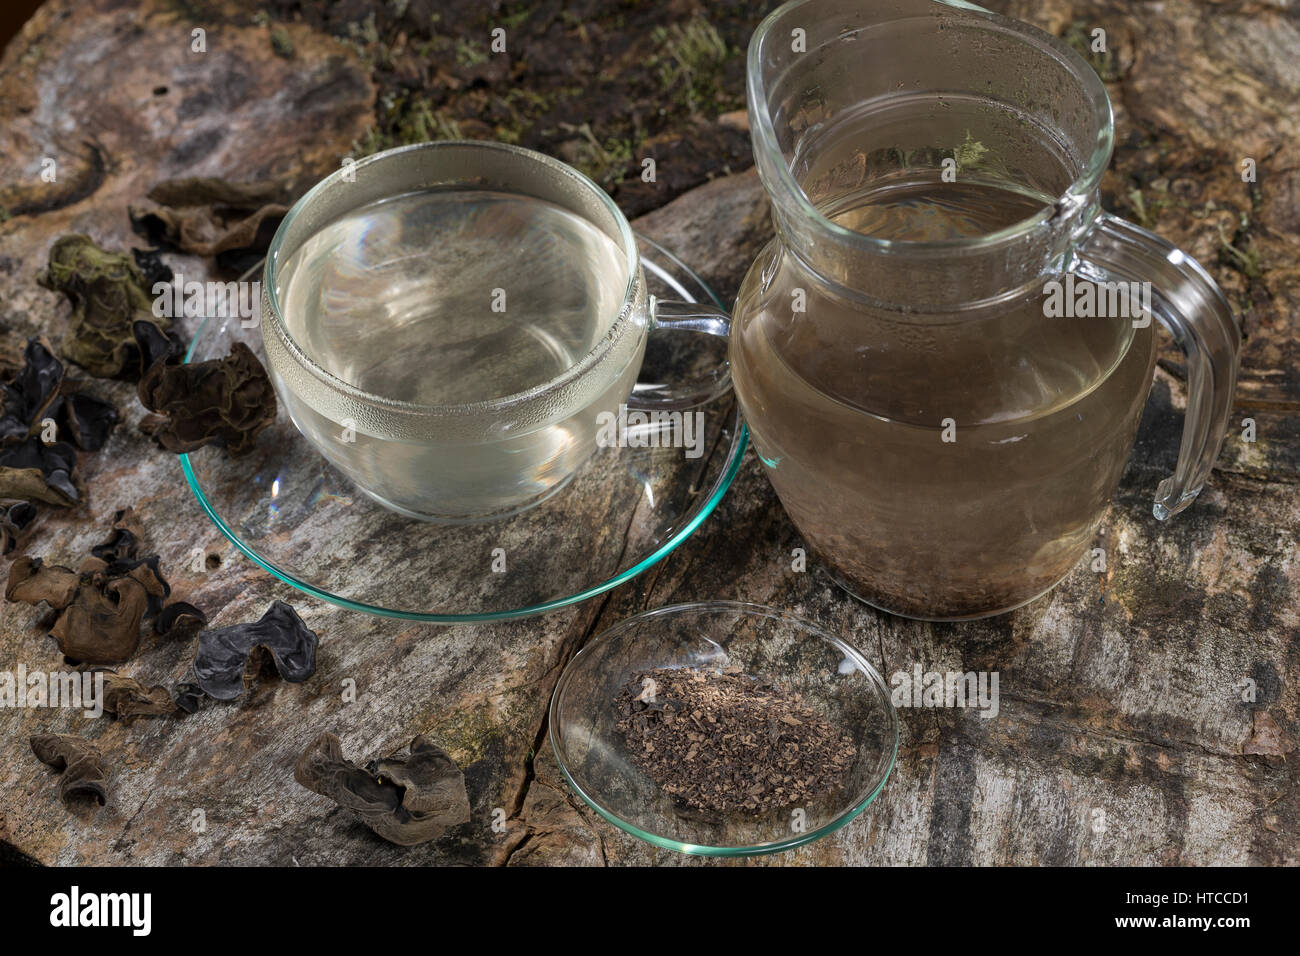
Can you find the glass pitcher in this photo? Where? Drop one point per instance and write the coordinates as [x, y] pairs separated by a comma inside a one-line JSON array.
[[944, 353]]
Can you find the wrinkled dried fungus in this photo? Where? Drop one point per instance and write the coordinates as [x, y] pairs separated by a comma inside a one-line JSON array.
[[99, 619], [120, 546], [405, 800], [189, 697], [27, 392], [31, 581], [33, 395], [179, 619], [86, 420], [210, 217], [100, 605], [126, 697], [108, 296], [34, 471], [152, 267], [221, 401], [102, 623], [83, 773], [225, 659], [155, 345], [14, 520]]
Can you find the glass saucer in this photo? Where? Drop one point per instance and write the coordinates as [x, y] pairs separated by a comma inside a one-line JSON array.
[[298, 517], [774, 647]]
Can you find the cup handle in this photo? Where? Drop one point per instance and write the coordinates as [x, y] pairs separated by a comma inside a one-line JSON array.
[[1190, 305], [672, 315]]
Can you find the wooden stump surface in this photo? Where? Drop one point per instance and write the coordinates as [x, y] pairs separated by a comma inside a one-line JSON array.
[[1123, 735]]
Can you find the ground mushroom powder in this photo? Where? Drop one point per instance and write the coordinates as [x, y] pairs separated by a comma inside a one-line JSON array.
[[728, 743]]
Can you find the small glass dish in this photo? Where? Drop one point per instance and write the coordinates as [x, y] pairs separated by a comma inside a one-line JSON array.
[[832, 676], [298, 517]]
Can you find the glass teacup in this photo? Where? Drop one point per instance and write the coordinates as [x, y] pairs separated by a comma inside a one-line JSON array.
[[453, 325]]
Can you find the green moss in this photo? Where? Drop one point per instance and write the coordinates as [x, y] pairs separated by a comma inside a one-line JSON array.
[[689, 64], [1139, 205], [468, 54], [1245, 261], [281, 45], [604, 161], [531, 100], [436, 45], [465, 733], [517, 16], [1079, 36], [523, 108], [364, 38], [1147, 206], [406, 120]]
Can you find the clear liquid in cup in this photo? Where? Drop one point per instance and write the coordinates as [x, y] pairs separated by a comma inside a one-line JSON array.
[[448, 297], [455, 296]]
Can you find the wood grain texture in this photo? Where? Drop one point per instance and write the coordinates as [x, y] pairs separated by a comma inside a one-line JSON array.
[[1120, 691]]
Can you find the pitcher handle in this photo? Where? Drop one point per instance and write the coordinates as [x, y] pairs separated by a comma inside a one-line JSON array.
[[1190, 305], [672, 315]]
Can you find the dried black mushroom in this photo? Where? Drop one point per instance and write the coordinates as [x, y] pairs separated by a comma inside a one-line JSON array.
[[87, 420], [207, 216], [31, 581], [34, 394], [101, 624], [189, 697], [121, 545], [405, 800], [108, 295], [14, 520], [152, 267], [101, 605], [28, 391], [146, 571], [228, 656], [221, 401], [35, 471], [126, 697], [179, 619], [119, 554], [83, 774], [190, 191], [156, 345]]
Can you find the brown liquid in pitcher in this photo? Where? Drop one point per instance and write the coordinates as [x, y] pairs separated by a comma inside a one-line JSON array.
[[848, 406]]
